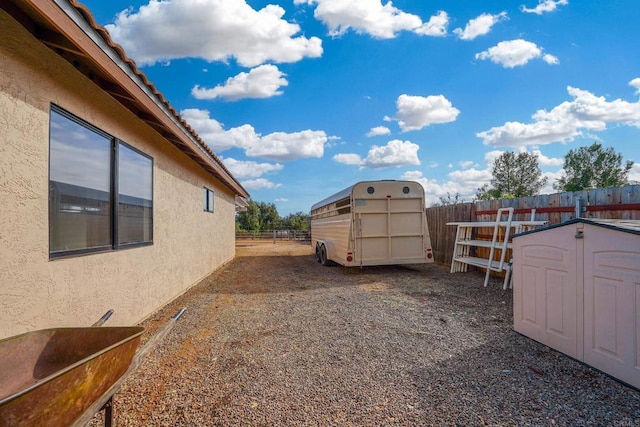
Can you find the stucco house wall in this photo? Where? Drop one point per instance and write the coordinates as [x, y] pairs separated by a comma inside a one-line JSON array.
[[38, 292]]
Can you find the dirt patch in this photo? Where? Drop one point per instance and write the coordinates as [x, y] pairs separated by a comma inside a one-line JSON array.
[[274, 338], [375, 287], [264, 248]]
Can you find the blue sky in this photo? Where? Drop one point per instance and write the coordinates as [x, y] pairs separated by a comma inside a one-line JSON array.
[[302, 98]]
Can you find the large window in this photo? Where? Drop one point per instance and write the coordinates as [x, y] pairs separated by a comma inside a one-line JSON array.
[[100, 189]]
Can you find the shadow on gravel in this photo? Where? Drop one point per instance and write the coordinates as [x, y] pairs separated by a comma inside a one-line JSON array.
[[513, 380], [485, 373], [261, 274]]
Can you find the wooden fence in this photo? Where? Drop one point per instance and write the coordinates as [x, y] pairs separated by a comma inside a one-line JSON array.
[[274, 236], [610, 203], [443, 235]]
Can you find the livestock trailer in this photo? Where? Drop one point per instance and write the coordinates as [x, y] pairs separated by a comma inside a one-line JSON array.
[[372, 223]]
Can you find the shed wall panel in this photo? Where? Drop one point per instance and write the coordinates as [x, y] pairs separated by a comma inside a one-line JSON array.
[[544, 291], [611, 283]]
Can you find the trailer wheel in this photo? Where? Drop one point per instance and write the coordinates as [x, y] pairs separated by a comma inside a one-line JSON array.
[[318, 259], [323, 256]]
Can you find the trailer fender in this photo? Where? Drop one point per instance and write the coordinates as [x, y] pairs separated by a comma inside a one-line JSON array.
[[328, 249], [331, 251]]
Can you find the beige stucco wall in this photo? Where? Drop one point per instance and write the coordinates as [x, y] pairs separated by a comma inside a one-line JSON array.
[[36, 292]]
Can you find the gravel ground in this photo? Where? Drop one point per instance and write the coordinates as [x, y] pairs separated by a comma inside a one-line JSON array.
[[274, 338]]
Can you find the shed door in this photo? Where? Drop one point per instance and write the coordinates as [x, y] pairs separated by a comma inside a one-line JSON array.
[[544, 292], [612, 302]]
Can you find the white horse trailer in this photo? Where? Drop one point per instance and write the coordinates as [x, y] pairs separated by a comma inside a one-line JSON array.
[[372, 223]]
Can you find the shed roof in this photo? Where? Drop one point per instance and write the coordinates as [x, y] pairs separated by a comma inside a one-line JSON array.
[[623, 225], [69, 29]]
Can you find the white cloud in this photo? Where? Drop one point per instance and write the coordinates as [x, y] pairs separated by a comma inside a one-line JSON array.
[[466, 164], [281, 200], [348, 159], [515, 53], [432, 189], [412, 175], [382, 21], [249, 169], [544, 6], [491, 156], [550, 59], [395, 154], [636, 84], [333, 141], [433, 165], [470, 179], [214, 30], [436, 26], [464, 183], [479, 26], [585, 113], [259, 184], [378, 130], [210, 130], [552, 177], [264, 81], [289, 146], [548, 161], [416, 112], [278, 146], [634, 173], [363, 16]]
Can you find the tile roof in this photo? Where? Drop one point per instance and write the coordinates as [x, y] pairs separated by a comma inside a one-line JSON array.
[[38, 6]]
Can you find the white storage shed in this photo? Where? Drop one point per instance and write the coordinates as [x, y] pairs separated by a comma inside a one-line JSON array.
[[576, 288]]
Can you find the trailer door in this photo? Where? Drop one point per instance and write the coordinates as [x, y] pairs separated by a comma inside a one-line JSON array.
[[389, 231]]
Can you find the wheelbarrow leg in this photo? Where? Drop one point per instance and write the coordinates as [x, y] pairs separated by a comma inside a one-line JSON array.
[[105, 401], [108, 413], [103, 319]]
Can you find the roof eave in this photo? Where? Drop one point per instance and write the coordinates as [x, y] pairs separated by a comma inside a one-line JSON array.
[[70, 30]]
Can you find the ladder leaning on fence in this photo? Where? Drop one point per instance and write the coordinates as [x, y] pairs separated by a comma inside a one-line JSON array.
[[465, 255]]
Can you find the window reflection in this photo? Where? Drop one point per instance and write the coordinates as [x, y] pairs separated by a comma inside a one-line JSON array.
[[135, 198], [79, 186], [210, 202]]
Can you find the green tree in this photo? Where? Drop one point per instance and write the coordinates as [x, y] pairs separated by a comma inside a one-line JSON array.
[[593, 167], [513, 176], [449, 200], [296, 221], [250, 219], [269, 217], [259, 216]]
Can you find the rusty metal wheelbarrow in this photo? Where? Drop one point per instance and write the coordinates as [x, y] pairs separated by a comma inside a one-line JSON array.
[[64, 376]]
